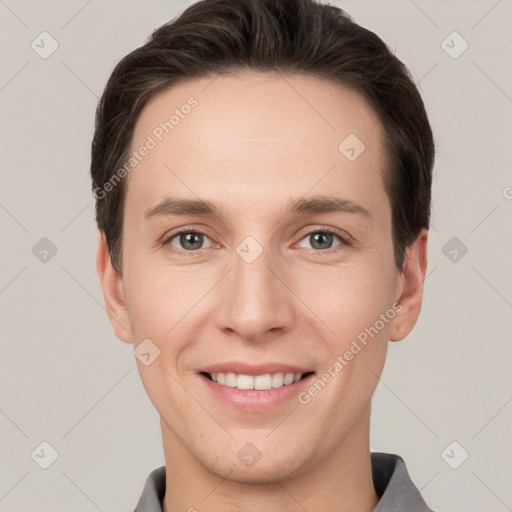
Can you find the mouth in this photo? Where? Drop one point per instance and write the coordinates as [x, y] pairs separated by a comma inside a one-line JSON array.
[[255, 387], [262, 382]]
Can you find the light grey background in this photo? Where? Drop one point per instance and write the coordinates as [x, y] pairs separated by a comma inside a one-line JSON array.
[[67, 380]]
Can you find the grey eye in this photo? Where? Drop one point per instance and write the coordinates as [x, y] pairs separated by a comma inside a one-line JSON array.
[[321, 240], [188, 240]]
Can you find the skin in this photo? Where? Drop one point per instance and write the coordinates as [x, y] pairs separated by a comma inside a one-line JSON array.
[[254, 142]]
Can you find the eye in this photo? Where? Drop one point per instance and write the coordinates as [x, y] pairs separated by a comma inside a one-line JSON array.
[[322, 239], [186, 241]]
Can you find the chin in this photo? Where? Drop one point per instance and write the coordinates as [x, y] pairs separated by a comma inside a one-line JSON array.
[[265, 471]]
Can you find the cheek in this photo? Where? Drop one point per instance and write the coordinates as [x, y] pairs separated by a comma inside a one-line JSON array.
[[160, 305], [159, 299], [348, 299], [351, 303]]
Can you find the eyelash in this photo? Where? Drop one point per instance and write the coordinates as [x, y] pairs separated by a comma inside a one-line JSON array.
[[345, 240]]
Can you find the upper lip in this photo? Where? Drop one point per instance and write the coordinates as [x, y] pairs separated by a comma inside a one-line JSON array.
[[242, 368]]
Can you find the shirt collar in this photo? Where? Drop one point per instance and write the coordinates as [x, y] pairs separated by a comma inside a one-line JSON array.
[[391, 479]]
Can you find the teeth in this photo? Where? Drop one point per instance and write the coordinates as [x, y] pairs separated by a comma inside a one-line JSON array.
[[245, 382], [277, 380], [260, 382], [263, 381], [231, 380], [288, 378]]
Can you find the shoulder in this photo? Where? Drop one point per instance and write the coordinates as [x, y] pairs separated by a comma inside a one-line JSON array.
[[153, 492], [394, 486]]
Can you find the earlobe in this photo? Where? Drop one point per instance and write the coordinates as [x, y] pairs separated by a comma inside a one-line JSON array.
[[412, 277], [113, 291]]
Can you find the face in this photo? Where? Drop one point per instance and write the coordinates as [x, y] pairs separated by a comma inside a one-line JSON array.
[[257, 243]]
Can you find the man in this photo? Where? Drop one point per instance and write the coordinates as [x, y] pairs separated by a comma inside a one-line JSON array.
[[262, 171]]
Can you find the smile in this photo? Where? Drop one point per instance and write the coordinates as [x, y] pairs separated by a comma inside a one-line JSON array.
[[255, 382]]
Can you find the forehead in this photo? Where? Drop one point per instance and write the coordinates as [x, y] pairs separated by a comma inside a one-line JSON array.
[[257, 133]]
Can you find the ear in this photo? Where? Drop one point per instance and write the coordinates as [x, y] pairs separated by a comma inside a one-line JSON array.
[[113, 291], [411, 280]]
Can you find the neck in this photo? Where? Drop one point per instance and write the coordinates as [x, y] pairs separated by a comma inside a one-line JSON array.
[[340, 481]]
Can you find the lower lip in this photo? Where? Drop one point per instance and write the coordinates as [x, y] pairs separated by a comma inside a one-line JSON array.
[[256, 399]]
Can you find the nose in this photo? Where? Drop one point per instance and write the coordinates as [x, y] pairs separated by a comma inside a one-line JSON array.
[[255, 301]]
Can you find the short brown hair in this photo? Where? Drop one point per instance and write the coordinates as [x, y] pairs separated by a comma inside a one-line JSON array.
[[219, 37]]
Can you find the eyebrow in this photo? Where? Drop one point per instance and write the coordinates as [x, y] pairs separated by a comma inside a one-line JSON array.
[[315, 204]]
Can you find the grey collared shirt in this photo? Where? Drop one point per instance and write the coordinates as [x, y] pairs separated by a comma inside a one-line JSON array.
[[392, 483]]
